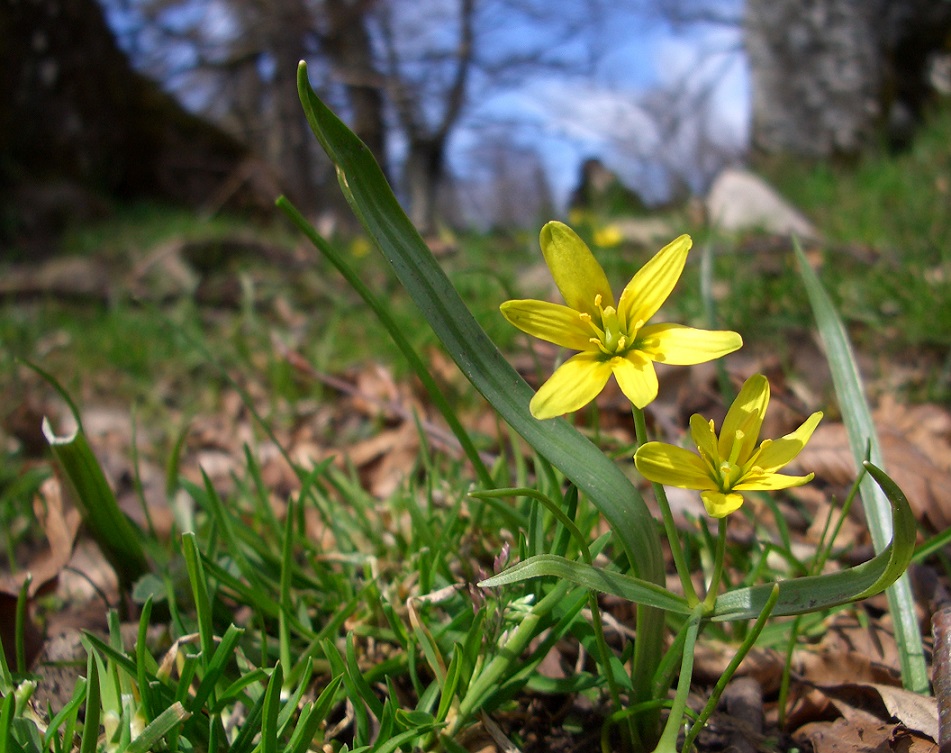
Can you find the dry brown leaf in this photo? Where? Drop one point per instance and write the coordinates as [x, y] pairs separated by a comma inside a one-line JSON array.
[[916, 712], [385, 459], [846, 736], [916, 446], [851, 652], [873, 717], [60, 523]]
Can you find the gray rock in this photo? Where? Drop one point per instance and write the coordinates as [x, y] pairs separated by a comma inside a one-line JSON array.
[[739, 200]]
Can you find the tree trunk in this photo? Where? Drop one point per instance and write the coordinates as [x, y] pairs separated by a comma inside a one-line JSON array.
[[348, 45], [816, 75], [835, 77], [424, 176], [73, 110]]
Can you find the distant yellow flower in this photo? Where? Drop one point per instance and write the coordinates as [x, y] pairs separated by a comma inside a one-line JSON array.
[[608, 236], [731, 464], [612, 338]]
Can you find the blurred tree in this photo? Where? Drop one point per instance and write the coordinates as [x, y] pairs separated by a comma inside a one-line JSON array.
[[237, 61], [833, 77], [73, 112], [442, 57], [403, 73]]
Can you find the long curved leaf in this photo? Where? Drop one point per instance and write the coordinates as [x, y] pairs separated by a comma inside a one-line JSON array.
[[116, 535], [376, 207], [864, 439], [581, 574], [814, 592], [796, 596], [372, 201]]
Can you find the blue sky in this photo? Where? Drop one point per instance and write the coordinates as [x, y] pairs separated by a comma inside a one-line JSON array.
[[612, 115]]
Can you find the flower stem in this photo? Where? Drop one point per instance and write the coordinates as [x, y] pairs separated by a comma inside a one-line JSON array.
[[673, 537], [734, 664], [668, 739], [718, 556]]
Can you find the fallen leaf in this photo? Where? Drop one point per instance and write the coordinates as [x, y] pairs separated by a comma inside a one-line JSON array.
[[60, 523], [916, 447], [845, 735]]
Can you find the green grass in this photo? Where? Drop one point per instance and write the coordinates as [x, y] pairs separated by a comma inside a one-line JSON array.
[[887, 221]]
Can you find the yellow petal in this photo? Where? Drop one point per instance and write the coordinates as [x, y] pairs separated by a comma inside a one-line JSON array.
[[720, 505], [549, 321], [770, 481], [774, 455], [684, 346], [745, 415], [673, 466], [636, 377], [573, 385], [702, 433], [653, 283], [576, 272]]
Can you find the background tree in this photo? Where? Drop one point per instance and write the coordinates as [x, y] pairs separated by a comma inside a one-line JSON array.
[[237, 61], [833, 77], [443, 58], [74, 113]]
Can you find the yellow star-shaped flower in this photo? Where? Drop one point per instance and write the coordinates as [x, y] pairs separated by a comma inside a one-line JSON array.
[[731, 463], [613, 338]]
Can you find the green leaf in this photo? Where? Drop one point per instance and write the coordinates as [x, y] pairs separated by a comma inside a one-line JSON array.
[[617, 584], [272, 707], [90, 734], [118, 538], [814, 592], [158, 728], [374, 204], [864, 443]]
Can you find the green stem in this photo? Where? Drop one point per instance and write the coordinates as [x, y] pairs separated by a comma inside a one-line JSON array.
[[734, 664], [668, 740], [718, 557], [509, 654], [673, 536]]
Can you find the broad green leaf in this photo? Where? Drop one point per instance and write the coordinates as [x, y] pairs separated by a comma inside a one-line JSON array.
[[796, 596], [374, 204], [864, 443], [815, 592]]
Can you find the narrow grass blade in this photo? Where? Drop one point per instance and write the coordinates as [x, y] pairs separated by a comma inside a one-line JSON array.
[[199, 584], [312, 717], [90, 737], [272, 707], [6, 723], [158, 728], [66, 717], [119, 539], [863, 438]]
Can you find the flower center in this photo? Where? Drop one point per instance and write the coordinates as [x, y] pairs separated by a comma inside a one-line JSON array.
[[729, 472], [611, 337]]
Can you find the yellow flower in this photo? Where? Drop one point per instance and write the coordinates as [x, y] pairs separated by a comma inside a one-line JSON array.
[[733, 463], [613, 338], [608, 236]]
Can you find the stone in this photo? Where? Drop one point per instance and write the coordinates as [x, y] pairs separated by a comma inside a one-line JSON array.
[[739, 200]]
